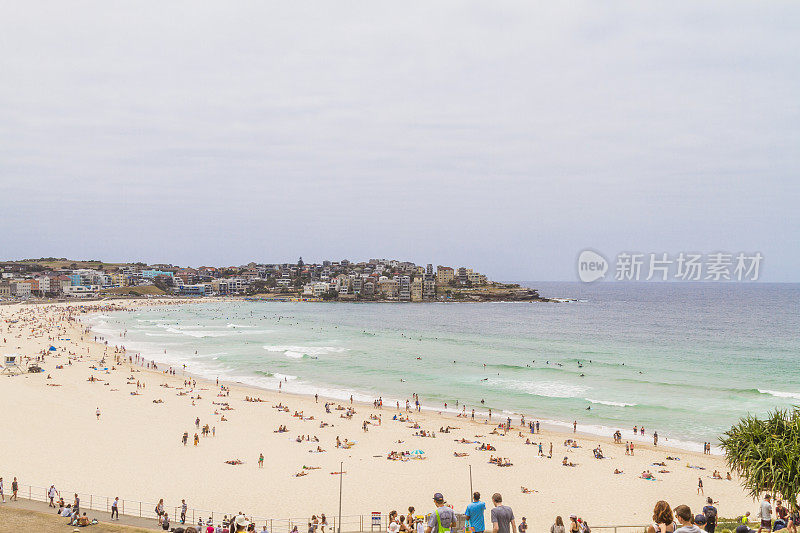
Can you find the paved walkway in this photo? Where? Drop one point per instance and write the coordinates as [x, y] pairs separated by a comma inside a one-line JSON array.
[[43, 507]]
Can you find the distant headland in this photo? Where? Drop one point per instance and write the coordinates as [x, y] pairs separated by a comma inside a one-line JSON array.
[[375, 280]]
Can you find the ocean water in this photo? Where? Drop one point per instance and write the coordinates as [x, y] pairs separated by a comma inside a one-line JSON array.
[[686, 360]]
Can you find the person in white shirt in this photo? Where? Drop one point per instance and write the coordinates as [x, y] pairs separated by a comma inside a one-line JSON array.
[[52, 493], [765, 514]]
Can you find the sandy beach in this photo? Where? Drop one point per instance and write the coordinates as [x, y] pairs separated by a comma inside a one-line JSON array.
[[134, 449]]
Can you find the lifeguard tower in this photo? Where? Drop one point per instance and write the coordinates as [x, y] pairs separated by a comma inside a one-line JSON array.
[[11, 365]]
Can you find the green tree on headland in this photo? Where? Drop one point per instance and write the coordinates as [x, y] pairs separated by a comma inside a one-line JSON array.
[[766, 453]]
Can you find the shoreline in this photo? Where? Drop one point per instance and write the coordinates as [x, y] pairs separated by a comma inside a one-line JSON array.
[[554, 425], [134, 449]]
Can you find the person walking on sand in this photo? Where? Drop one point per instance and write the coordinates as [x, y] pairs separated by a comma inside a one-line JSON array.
[[98, 413], [502, 516], [700, 486], [115, 509], [442, 518], [183, 511], [14, 489], [261, 460]]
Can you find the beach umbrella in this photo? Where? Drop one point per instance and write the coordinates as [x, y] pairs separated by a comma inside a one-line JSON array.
[[52, 348], [417, 452]]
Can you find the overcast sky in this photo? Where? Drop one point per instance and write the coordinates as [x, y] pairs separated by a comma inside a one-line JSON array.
[[507, 136]]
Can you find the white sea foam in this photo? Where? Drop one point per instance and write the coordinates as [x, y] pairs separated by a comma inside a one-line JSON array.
[[238, 326], [198, 333], [780, 394], [550, 389], [297, 352], [612, 404]]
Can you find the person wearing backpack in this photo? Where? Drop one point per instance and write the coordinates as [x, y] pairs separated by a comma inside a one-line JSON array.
[[442, 518], [710, 512]]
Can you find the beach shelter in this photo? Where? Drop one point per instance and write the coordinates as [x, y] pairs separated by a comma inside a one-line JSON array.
[[52, 349], [417, 452]]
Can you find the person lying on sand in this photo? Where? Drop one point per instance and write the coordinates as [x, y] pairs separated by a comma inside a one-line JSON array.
[[662, 463], [618, 471], [301, 474], [526, 490], [646, 475], [456, 454], [234, 462]]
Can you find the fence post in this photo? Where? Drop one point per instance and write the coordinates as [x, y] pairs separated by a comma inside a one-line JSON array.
[[90, 502], [106, 503], [270, 525], [140, 509], [361, 522], [29, 492]]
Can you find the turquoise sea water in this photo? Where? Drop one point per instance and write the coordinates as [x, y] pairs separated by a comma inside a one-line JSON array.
[[686, 360]]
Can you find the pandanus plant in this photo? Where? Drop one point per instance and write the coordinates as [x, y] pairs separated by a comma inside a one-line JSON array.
[[766, 453]]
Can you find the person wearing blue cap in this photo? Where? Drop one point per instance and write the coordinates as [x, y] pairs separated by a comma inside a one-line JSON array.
[[442, 518]]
